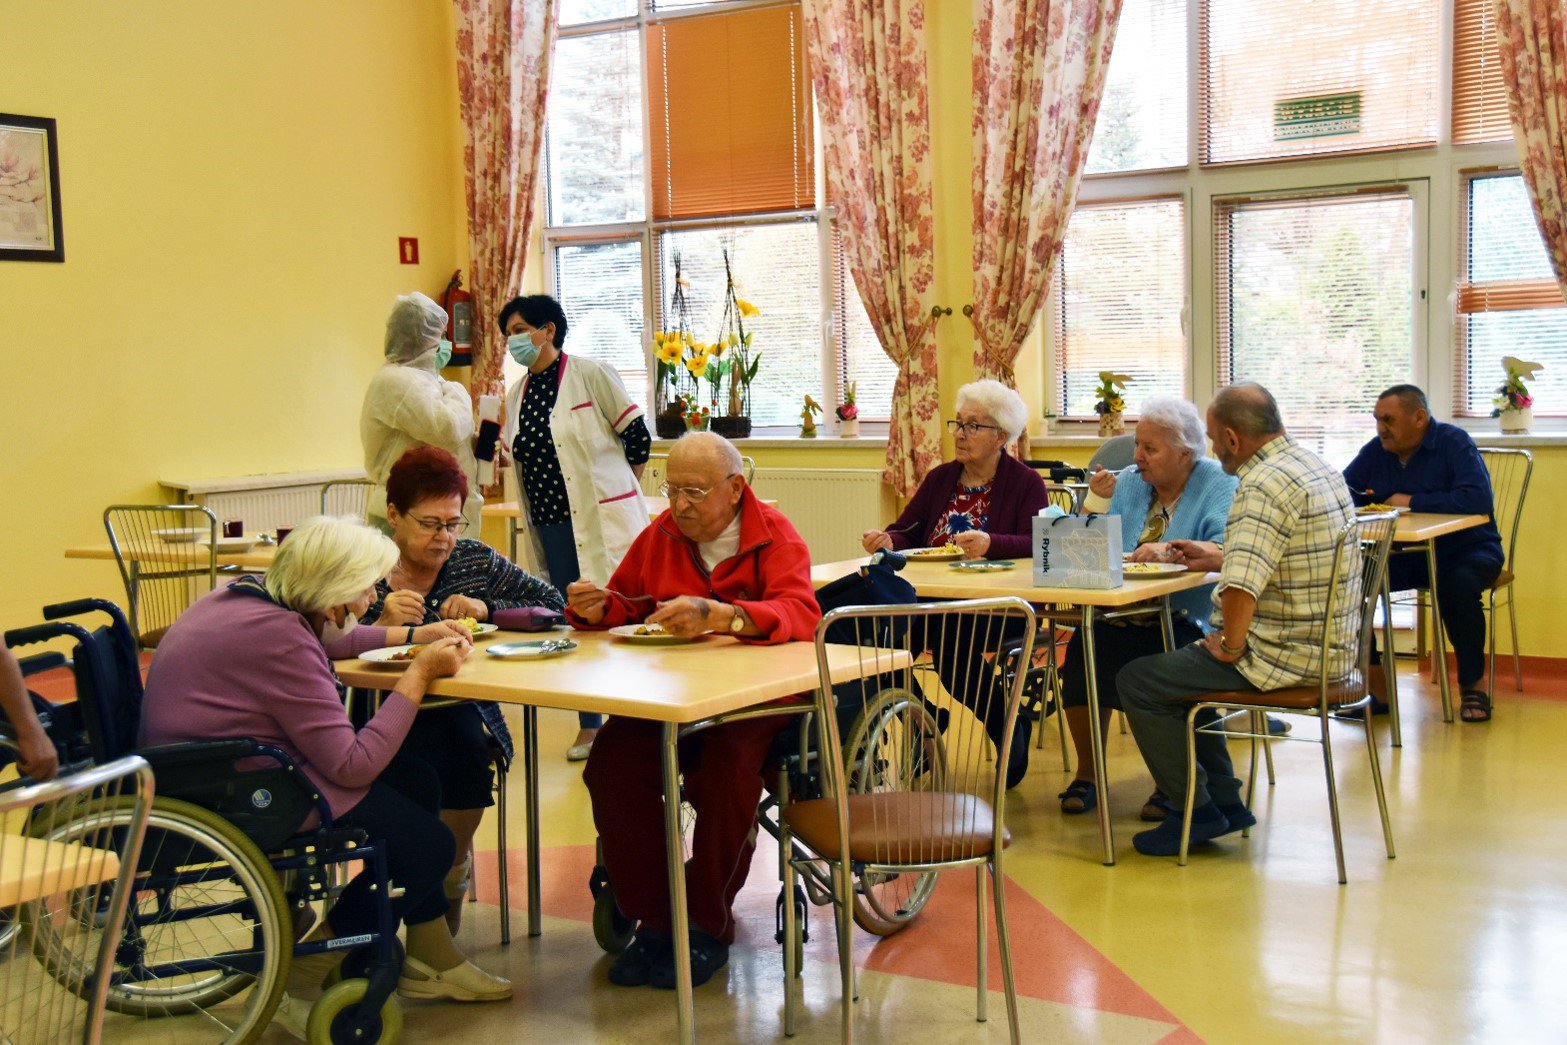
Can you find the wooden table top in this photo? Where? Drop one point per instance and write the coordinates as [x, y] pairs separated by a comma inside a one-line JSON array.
[[33, 867], [681, 683], [938, 580], [259, 557], [1423, 526]]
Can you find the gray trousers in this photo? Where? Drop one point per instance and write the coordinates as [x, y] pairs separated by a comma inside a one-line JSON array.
[[1156, 693]]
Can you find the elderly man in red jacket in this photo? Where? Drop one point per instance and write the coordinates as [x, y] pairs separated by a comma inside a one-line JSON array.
[[718, 560]]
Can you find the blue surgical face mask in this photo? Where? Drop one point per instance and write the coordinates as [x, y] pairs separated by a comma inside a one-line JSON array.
[[522, 349], [443, 353]]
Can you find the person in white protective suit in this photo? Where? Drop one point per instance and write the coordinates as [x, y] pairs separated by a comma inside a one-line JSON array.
[[409, 404], [579, 443]]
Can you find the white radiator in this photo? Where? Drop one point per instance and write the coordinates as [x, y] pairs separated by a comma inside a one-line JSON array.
[[261, 502], [831, 507]]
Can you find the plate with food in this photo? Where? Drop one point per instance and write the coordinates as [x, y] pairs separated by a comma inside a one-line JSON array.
[[181, 534], [1145, 570], [473, 625], [650, 634], [534, 650], [983, 566], [943, 553], [1378, 509], [391, 654]]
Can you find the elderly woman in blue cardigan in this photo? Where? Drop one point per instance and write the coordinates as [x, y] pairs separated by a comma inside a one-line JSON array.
[[1171, 491], [984, 501]]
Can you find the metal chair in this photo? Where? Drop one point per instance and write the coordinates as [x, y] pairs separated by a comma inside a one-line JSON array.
[[1359, 563], [168, 558], [1510, 471], [904, 800], [345, 497], [1068, 498], [68, 847], [654, 472], [1113, 454]]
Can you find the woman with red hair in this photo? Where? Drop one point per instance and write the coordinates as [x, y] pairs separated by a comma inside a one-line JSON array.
[[441, 575]]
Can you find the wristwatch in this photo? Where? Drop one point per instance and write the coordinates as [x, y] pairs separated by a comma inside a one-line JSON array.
[[737, 622], [1231, 651]]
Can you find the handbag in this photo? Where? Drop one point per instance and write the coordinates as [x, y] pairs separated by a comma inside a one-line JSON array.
[[1077, 551]]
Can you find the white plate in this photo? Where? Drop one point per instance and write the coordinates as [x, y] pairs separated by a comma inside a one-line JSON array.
[[386, 654], [1142, 571], [486, 628], [945, 553], [629, 633], [534, 650], [233, 544], [181, 535], [983, 566], [1367, 509]]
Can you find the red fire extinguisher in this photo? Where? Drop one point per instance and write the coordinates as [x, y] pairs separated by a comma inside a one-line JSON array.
[[459, 320]]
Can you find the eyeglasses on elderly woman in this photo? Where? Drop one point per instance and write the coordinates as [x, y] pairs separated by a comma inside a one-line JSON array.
[[970, 427]]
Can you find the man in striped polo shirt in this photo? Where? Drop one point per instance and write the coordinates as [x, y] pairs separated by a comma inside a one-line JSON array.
[[1274, 568]]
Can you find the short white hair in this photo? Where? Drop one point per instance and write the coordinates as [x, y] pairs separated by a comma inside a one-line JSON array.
[[1178, 417], [328, 561], [710, 446], [997, 402]]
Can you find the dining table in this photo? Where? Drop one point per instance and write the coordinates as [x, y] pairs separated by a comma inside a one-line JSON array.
[[257, 557], [685, 685], [1136, 596]]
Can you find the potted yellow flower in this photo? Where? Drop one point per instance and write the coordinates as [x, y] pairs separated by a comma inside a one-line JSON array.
[[736, 362], [1111, 403], [674, 386]]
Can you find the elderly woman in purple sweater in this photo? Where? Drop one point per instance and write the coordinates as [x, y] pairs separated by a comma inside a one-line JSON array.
[[984, 501], [251, 660]]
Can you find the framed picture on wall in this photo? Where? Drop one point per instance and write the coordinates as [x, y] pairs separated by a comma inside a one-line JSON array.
[[29, 190]]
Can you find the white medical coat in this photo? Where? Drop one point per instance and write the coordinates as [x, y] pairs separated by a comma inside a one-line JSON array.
[[409, 405]]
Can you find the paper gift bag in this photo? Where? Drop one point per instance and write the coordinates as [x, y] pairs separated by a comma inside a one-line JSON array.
[[1077, 551]]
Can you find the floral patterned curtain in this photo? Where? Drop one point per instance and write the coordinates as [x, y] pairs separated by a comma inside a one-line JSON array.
[[1534, 66], [504, 49], [1039, 72], [868, 68]]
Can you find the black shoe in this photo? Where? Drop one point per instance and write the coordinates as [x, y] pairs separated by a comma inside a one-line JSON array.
[[708, 955], [1239, 816], [1017, 758], [634, 966], [1358, 714]]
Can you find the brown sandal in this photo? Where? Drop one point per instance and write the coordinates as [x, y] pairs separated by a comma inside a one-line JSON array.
[[1155, 810]]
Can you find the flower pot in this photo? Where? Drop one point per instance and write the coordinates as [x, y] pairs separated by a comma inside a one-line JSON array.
[[849, 429], [732, 426], [670, 423], [1111, 424], [1517, 421], [697, 422]]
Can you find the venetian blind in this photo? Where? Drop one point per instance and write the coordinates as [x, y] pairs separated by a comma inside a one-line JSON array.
[[600, 288], [1315, 299], [1283, 78], [1479, 95], [1120, 284], [861, 358], [729, 110]]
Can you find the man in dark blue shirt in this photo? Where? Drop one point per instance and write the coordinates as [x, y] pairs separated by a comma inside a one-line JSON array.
[[1422, 464]]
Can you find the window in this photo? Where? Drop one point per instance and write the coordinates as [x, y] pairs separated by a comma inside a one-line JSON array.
[[1120, 284], [1292, 78], [1509, 302], [1479, 95], [1142, 115], [1316, 300], [686, 127]]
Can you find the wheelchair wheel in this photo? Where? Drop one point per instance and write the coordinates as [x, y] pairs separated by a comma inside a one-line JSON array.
[[895, 745], [207, 931], [332, 1021], [611, 929]]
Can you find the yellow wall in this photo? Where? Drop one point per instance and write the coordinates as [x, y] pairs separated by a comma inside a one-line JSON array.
[[234, 179]]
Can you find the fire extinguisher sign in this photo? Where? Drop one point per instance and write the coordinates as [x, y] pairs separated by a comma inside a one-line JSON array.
[[408, 250]]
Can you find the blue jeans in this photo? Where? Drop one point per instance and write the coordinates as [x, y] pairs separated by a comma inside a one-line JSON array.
[[560, 562], [1156, 692]]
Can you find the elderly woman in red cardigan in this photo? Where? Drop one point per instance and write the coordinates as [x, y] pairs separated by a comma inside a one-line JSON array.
[[984, 501]]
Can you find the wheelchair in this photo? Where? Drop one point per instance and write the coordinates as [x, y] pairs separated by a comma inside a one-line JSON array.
[[226, 882]]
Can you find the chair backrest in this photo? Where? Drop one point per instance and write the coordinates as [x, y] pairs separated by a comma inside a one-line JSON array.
[[657, 468], [884, 735], [1114, 453], [1510, 470], [1067, 498], [345, 497], [1376, 547], [168, 558], [1360, 555]]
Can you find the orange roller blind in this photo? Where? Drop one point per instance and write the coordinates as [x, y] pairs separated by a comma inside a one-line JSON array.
[[1479, 95], [730, 114]]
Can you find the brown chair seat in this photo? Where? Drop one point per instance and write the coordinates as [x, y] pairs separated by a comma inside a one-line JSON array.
[[914, 827], [150, 639], [1503, 579], [1346, 690]]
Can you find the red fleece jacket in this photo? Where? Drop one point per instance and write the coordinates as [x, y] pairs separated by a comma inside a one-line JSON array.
[[769, 577]]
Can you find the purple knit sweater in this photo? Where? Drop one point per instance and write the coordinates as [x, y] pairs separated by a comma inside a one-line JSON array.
[[1016, 496], [237, 666]]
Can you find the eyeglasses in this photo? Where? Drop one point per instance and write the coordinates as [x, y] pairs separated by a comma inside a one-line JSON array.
[[434, 526], [969, 427], [692, 494]]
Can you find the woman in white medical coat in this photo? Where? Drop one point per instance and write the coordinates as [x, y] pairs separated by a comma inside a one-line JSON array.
[[579, 443]]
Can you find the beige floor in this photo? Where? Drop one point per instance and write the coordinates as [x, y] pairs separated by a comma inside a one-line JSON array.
[[1458, 939]]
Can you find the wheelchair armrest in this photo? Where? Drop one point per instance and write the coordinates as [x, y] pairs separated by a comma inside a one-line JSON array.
[[201, 752]]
